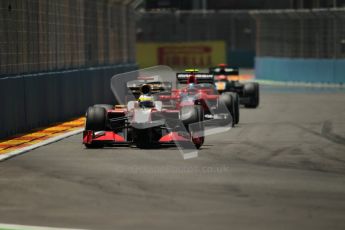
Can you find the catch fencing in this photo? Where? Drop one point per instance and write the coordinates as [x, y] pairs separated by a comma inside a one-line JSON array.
[[317, 33], [301, 45], [49, 35]]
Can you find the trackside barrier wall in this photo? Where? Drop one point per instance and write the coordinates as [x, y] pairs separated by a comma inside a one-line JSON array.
[[299, 69], [36, 100]]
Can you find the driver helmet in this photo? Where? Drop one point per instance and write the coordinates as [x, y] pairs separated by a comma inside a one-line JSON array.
[[146, 101]]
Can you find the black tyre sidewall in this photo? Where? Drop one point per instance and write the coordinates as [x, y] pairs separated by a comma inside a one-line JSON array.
[[256, 98], [251, 90], [96, 118], [89, 118], [228, 101], [236, 101], [189, 115]]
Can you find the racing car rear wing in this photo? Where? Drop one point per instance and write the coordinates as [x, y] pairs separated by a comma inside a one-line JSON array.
[[156, 87], [182, 78], [224, 71]]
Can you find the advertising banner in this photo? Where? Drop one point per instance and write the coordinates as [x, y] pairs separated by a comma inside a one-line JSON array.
[[181, 54]]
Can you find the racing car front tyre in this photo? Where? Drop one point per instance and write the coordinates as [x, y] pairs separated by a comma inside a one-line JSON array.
[[198, 127], [96, 118], [252, 91], [194, 115], [191, 114]]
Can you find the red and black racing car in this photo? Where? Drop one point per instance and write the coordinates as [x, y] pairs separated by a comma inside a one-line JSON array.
[[198, 89], [225, 81]]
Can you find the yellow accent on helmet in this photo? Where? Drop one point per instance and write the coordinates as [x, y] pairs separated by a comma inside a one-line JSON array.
[[145, 98]]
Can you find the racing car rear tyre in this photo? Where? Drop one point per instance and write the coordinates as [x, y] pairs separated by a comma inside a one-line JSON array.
[[252, 90], [96, 118], [228, 101], [236, 100]]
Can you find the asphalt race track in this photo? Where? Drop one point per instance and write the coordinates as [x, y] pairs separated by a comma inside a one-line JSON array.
[[283, 167]]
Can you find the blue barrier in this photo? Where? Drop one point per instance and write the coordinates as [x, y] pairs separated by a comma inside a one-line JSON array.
[[35, 100], [302, 70]]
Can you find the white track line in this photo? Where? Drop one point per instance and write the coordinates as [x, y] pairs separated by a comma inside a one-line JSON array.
[[25, 227], [40, 144]]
